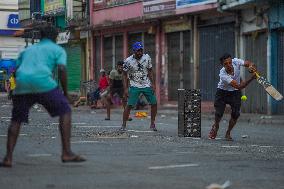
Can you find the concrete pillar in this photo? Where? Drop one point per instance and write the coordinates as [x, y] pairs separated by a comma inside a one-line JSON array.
[[102, 50], [125, 45], [195, 53], [158, 63], [91, 48]]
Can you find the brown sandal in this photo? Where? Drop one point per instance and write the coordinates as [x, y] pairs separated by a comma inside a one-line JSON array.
[[74, 159]]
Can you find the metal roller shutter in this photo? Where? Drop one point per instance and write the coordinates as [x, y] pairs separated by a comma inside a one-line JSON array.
[[280, 70], [173, 40], [149, 43], [97, 65], [256, 51], [118, 48], [179, 67], [74, 66], [214, 41], [187, 66], [107, 54]]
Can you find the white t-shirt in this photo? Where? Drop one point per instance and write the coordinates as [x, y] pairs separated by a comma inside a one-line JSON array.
[[138, 70], [226, 79]]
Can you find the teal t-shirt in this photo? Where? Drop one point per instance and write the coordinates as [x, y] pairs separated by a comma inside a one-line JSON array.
[[35, 67]]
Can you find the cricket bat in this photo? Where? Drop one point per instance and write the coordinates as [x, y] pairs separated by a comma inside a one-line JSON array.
[[268, 87]]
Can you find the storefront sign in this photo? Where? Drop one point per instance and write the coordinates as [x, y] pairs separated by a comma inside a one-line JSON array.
[[189, 3], [84, 34], [24, 9], [156, 6], [99, 4], [175, 26], [13, 21], [54, 6], [63, 38]]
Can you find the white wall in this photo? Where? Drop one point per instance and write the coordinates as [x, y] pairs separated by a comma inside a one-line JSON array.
[[9, 4], [249, 21], [9, 46]]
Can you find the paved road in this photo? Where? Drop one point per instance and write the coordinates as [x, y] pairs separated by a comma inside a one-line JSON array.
[[141, 158]]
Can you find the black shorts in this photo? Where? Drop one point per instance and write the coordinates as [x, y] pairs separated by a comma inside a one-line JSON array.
[[223, 97], [118, 91]]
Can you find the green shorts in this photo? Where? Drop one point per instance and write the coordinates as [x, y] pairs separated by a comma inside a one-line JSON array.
[[134, 92]]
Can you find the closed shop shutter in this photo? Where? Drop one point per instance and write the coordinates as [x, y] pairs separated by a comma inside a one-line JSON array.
[[97, 65], [256, 51], [73, 66], [175, 66], [149, 43], [214, 41], [280, 71], [187, 66], [108, 54], [118, 48]]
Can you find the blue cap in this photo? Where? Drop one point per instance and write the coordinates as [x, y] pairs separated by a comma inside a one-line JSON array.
[[136, 46]]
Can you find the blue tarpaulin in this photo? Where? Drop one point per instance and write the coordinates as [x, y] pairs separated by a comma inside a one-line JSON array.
[[9, 65]]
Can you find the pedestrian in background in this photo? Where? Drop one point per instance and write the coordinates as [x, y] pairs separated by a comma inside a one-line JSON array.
[[138, 69], [35, 84]]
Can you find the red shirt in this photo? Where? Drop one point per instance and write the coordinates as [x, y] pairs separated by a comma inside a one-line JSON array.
[[103, 83]]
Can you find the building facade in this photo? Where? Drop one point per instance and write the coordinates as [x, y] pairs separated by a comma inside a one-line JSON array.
[[175, 34], [66, 16]]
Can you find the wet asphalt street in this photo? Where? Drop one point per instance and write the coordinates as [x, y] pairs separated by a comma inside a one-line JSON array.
[[141, 158]]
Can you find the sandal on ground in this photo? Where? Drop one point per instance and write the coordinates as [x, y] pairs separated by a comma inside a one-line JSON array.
[[107, 119], [74, 159], [6, 165], [153, 127], [122, 129]]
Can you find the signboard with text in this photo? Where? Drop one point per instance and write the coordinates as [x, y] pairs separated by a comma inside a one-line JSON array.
[[13, 21], [54, 6], [189, 3], [156, 6], [99, 4]]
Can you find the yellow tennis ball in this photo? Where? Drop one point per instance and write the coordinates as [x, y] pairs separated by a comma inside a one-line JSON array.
[[244, 98]]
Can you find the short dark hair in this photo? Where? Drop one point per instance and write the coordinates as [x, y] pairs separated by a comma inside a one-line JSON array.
[[120, 63], [49, 31], [224, 57]]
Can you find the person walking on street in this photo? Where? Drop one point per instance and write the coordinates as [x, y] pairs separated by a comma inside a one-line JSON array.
[[137, 69], [35, 84], [229, 92]]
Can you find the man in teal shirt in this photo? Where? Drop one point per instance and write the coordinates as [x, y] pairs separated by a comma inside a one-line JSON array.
[[35, 84]]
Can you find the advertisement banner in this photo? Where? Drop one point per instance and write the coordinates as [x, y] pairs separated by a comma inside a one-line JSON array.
[[54, 6], [156, 6], [189, 3]]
